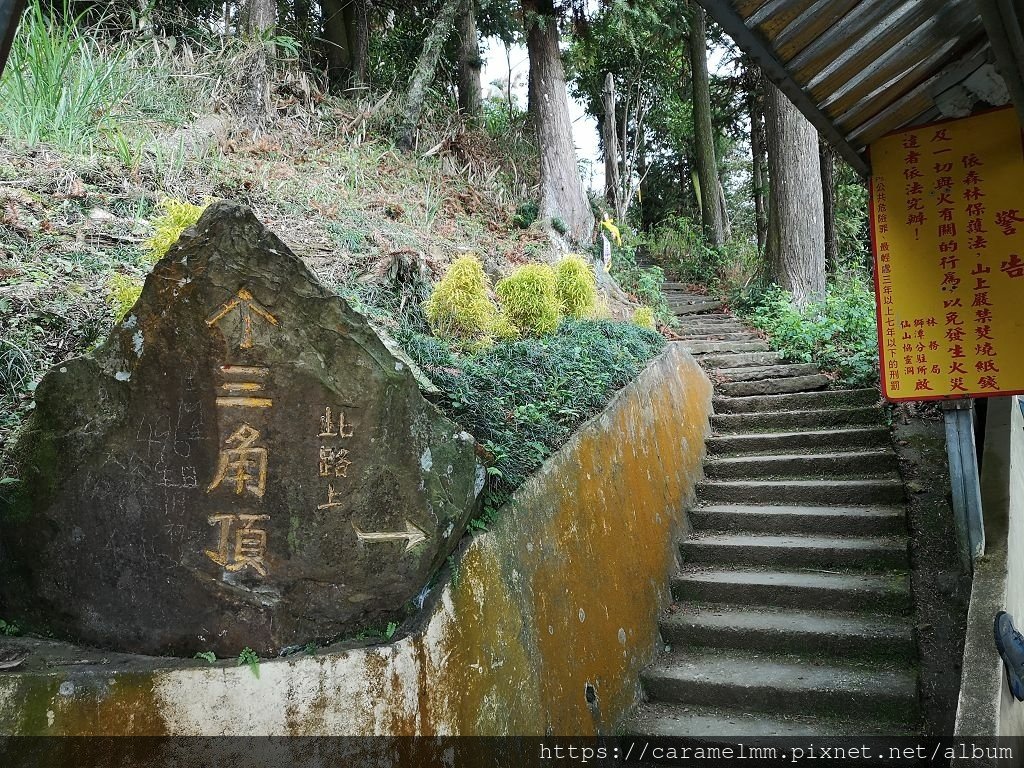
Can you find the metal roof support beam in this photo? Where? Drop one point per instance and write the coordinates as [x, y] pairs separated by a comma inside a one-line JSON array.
[[1004, 32], [751, 42], [10, 15]]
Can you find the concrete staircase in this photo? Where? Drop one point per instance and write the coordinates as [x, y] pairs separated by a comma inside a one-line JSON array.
[[793, 613]]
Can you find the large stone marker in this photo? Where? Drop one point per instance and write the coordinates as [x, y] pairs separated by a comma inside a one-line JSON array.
[[242, 463]]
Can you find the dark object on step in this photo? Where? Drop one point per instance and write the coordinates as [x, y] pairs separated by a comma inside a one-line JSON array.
[[1010, 645]]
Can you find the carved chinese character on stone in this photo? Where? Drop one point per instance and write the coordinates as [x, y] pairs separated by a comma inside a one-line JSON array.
[[243, 464]]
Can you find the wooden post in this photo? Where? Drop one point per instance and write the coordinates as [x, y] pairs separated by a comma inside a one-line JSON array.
[[964, 479]]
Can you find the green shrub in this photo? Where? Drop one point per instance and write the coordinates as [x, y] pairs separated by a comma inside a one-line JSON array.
[[679, 246], [523, 399], [558, 224], [577, 287], [460, 306], [122, 293], [644, 283], [529, 299], [644, 317], [838, 334], [177, 216], [525, 215]]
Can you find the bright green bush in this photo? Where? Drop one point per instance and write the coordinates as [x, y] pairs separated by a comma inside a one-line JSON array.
[[460, 306], [644, 317], [177, 216], [122, 293], [838, 334], [577, 287], [529, 299]]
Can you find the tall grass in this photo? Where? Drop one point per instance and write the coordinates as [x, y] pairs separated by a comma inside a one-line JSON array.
[[59, 86], [77, 86]]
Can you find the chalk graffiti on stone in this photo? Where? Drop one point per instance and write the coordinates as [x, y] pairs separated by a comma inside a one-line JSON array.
[[250, 542], [244, 464], [246, 306]]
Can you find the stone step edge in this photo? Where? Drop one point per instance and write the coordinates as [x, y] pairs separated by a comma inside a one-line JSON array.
[[758, 725]]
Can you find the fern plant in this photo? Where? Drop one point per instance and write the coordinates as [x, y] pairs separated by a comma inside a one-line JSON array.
[[249, 658]]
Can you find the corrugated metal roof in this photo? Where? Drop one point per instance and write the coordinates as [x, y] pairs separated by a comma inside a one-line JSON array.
[[859, 69]]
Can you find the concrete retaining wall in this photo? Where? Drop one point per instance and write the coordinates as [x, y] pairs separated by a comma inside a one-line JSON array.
[[549, 619], [986, 707]]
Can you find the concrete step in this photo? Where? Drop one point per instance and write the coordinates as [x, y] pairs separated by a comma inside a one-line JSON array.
[[809, 441], [727, 335], [780, 630], [723, 347], [874, 491], [740, 359], [752, 549], [809, 590], [864, 520], [675, 285], [758, 683], [758, 372], [834, 464], [706, 725], [783, 386], [844, 398], [733, 423], [717, 330], [689, 309], [711, 320]]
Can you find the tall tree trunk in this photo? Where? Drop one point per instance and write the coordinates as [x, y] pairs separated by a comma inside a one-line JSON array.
[[610, 138], [470, 62], [795, 252], [361, 42], [712, 213], [561, 190], [423, 74], [257, 21], [828, 197], [758, 180], [346, 33]]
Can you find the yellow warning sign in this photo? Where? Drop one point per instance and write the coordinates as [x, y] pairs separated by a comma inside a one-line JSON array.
[[947, 229]]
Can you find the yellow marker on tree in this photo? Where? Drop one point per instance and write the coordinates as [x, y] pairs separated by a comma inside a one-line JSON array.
[[609, 223]]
